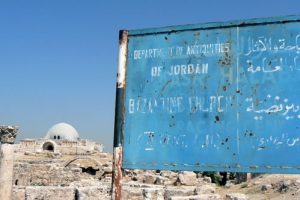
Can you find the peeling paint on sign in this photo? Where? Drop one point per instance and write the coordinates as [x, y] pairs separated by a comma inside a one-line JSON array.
[[213, 97]]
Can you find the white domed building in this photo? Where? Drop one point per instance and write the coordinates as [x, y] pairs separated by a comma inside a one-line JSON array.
[[62, 131], [62, 138]]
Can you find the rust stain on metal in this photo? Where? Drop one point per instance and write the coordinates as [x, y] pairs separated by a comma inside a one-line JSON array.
[[226, 60], [119, 116], [117, 193], [197, 34]]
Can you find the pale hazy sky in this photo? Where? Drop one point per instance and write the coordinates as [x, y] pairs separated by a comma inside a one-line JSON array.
[[58, 58]]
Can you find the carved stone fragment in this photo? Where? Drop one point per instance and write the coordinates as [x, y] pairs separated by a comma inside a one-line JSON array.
[[8, 134]]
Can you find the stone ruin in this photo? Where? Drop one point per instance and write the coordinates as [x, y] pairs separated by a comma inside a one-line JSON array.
[[78, 169], [8, 134], [60, 166], [7, 138]]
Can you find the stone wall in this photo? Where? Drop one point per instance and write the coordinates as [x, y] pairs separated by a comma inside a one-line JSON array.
[[43, 175], [145, 188], [56, 170], [31, 146], [75, 192], [55, 176]]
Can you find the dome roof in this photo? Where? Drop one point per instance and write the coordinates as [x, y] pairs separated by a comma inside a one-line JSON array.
[[62, 131]]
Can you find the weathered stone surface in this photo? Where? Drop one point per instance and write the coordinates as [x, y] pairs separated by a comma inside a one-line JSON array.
[[236, 196], [149, 178], [137, 175], [141, 191], [266, 187], [229, 184], [134, 184], [6, 170], [132, 193], [207, 179], [153, 194], [187, 178], [209, 197], [18, 193], [171, 177], [257, 183], [49, 193], [7, 138], [199, 197], [160, 180], [205, 189], [297, 182], [107, 169], [93, 193], [8, 134], [171, 191], [53, 172]]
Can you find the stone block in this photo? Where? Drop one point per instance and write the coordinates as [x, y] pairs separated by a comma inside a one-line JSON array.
[[93, 193], [18, 193], [266, 187], [49, 193], [179, 191], [205, 189], [236, 196], [108, 169], [149, 178], [132, 193], [153, 194], [207, 179], [198, 197], [160, 180], [187, 178]]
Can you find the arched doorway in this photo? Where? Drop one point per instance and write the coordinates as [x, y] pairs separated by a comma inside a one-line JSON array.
[[48, 146]]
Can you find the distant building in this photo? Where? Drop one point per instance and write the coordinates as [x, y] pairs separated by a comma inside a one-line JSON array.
[[61, 138], [60, 159]]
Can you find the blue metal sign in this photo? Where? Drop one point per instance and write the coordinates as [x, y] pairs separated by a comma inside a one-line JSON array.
[[212, 97]]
